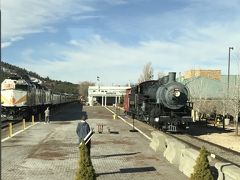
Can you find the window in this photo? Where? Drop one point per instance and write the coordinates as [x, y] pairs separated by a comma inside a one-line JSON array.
[[21, 87]]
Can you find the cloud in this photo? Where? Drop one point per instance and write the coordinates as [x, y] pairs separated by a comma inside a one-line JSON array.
[[196, 35], [85, 17], [5, 44], [98, 56], [11, 40], [24, 17]]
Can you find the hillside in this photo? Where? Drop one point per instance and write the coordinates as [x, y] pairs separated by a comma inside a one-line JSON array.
[[55, 85]]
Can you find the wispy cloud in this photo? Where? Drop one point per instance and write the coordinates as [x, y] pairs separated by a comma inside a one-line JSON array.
[[99, 55], [5, 44], [116, 44], [11, 40], [24, 17], [85, 17]]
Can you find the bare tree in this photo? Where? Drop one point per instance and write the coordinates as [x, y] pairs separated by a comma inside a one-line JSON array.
[[203, 103], [161, 74], [83, 88], [147, 73], [233, 103]]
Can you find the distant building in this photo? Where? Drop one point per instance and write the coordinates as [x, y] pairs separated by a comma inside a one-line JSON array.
[[211, 74], [106, 95]]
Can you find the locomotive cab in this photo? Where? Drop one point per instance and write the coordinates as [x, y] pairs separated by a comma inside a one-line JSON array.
[[14, 92]]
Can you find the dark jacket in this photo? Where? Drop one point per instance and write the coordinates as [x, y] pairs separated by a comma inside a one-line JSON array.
[[83, 129]]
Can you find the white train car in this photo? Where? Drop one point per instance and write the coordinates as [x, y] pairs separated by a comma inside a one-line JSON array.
[[21, 98], [16, 96]]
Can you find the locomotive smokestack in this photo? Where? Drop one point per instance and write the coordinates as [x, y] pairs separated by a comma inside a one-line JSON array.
[[172, 76]]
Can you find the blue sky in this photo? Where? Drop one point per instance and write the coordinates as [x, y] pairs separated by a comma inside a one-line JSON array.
[[78, 40]]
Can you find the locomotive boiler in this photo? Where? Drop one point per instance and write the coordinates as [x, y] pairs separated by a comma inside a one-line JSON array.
[[162, 103]]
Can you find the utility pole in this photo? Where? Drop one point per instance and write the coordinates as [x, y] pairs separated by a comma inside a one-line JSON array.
[[98, 79], [238, 101], [229, 49], [228, 97], [238, 104]]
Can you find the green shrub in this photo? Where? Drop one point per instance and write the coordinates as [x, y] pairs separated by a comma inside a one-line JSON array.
[[85, 168], [202, 167]]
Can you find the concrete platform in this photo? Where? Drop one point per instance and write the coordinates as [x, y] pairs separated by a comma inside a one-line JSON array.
[[50, 151]]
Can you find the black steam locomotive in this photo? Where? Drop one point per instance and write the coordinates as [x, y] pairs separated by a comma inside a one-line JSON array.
[[162, 103]]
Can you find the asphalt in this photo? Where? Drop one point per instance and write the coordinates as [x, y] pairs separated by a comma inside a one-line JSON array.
[[50, 151]]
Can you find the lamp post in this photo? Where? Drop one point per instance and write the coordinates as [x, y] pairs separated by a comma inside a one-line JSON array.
[[237, 116], [229, 50]]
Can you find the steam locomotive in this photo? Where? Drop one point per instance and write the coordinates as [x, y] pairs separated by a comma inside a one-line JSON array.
[[21, 98], [162, 103]]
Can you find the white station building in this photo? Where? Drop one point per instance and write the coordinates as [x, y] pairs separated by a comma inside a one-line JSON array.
[[106, 95]]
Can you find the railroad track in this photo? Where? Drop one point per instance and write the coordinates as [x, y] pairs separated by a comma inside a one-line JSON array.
[[221, 153]]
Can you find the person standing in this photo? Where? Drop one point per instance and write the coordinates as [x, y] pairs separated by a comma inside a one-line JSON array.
[[82, 131], [47, 112]]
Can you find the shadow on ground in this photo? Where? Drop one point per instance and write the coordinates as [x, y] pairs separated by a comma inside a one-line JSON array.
[[201, 128], [113, 155], [129, 170], [69, 112]]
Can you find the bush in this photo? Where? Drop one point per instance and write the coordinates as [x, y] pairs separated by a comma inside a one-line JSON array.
[[85, 168], [202, 167]]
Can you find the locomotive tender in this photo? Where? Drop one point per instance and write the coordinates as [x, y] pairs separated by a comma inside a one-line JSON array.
[[21, 98], [162, 103]]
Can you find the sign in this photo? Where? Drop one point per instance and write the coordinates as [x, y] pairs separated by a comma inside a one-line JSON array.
[[87, 138]]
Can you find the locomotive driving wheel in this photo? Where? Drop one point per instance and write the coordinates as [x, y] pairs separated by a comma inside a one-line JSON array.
[[154, 118]]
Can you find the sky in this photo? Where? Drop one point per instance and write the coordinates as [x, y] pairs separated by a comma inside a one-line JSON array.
[[78, 40]]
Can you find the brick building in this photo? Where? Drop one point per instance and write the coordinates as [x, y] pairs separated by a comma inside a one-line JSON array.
[[211, 74]]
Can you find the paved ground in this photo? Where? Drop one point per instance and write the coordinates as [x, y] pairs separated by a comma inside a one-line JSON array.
[[50, 151]]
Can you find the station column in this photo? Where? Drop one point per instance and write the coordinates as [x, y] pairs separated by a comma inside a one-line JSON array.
[[116, 100]]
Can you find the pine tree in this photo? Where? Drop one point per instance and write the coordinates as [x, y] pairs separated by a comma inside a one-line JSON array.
[[85, 170], [202, 167]]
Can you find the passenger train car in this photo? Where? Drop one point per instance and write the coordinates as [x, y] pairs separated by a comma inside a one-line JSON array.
[[162, 103], [21, 98]]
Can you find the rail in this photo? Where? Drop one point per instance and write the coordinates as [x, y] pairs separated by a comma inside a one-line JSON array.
[[221, 153]]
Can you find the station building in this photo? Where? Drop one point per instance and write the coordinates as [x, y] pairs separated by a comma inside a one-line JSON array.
[[106, 95]]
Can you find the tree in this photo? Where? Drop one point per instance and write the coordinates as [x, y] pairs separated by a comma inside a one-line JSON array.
[[147, 73], [200, 95], [55, 85], [160, 75], [85, 168], [83, 88], [202, 167]]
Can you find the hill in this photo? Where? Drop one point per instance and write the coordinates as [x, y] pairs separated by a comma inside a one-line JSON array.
[[56, 86]]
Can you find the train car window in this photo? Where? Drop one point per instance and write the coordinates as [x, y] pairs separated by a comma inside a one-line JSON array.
[[21, 87]]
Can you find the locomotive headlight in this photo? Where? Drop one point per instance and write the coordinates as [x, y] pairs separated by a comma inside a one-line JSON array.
[[176, 93]]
